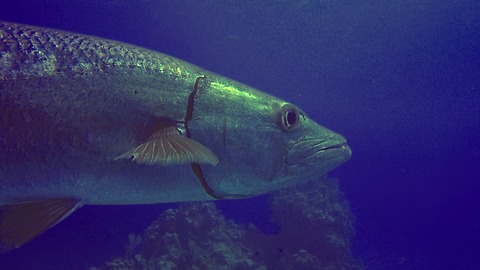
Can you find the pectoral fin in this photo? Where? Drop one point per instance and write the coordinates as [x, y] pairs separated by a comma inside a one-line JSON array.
[[20, 223], [168, 147]]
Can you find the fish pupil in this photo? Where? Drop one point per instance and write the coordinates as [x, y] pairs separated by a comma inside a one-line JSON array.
[[291, 118]]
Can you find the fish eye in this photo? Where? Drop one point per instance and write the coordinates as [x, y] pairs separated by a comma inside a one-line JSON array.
[[290, 117]]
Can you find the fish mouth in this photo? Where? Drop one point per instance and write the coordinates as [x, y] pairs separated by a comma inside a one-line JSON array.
[[322, 153]]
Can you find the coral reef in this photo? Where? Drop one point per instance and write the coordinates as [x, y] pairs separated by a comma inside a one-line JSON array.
[[316, 225], [315, 232]]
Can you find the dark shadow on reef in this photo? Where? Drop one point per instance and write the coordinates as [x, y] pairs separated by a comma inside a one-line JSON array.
[[316, 227]]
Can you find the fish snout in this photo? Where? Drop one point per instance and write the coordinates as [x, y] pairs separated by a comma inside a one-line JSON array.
[[319, 153]]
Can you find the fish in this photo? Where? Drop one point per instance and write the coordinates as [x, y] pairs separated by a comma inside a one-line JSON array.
[[91, 121]]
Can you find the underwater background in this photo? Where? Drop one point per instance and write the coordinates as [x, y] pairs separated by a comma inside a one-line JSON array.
[[399, 79]]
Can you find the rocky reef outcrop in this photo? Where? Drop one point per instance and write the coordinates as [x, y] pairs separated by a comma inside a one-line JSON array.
[[315, 231]]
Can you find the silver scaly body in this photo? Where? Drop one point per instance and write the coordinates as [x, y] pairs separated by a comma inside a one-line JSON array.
[[71, 104]]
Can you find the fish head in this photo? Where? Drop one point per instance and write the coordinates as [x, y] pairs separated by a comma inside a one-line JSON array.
[[313, 150], [262, 143]]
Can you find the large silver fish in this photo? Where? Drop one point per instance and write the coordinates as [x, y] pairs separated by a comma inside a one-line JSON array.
[[85, 120]]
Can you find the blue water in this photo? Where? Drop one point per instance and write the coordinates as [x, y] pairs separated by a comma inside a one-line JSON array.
[[399, 79]]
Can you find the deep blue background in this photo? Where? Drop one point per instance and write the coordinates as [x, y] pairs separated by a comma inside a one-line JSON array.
[[399, 79]]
